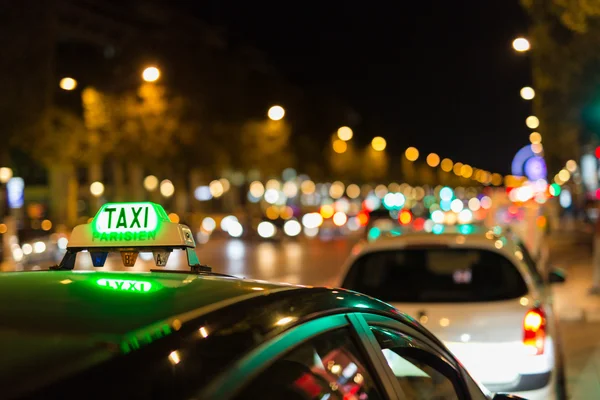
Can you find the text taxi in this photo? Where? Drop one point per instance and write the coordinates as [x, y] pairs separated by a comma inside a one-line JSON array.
[[196, 334]]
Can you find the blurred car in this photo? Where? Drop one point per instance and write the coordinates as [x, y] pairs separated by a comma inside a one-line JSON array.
[[481, 294], [198, 334]]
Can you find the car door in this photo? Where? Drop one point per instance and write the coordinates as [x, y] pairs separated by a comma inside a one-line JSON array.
[[325, 358]]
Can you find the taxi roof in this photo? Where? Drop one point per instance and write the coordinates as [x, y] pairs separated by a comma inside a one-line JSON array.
[[111, 303], [62, 321]]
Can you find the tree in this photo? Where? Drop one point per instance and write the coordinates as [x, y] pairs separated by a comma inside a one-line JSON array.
[[60, 143], [566, 71], [27, 41], [374, 165], [265, 146]]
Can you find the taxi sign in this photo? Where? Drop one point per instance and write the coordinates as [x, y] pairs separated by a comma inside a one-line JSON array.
[[127, 225], [129, 228]]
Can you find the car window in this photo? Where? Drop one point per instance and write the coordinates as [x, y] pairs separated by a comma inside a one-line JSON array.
[[329, 366], [436, 275], [421, 374]]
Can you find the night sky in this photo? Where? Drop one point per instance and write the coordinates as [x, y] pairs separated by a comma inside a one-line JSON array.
[[441, 76]]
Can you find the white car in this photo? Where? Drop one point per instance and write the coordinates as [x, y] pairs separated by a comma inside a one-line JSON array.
[[481, 294]]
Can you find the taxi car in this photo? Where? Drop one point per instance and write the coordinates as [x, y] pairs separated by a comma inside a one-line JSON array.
[[481, 294], [196, 334]]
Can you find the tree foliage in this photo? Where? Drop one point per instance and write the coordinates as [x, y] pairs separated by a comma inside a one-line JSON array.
[[565, 37]]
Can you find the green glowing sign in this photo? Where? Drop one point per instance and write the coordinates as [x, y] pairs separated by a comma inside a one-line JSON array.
[[374, 233], [466, 229], [128, 222], [438, 229], [125, 285]]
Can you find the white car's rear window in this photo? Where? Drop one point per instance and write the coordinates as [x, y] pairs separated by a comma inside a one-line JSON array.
[[436, 275]]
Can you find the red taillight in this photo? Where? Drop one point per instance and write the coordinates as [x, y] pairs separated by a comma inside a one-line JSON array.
[[534, 331], [363, 218]]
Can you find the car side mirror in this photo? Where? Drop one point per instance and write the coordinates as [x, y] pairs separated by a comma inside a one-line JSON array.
[[556, 275], [506, 396]]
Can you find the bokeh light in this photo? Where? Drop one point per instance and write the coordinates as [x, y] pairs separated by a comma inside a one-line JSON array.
[[97, 189], [290, 189], [353, 191], [271, 196], [150, 183], [292, 228], [532, 122], [308, 187], [447, 165], [327, 211], [216, 188], [46, 225], [433, 160], [167, 188], [564, 175], [456, 205], [340, 218], [466, 171], [521, 44], [446, 193], [486, 202], [378, 143], [67, 83], [411, 154], [266, 229], [535, 137], [405, 217], [474, 204], [457, 168], [276, 113], [202, 193], [345, 133], [257, 189], [151, 74], [527, 93], [336, 190], [339, 146]]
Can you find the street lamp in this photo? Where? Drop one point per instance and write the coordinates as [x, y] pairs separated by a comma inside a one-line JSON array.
[[532, 122], [151, 74], [521, 44], [67, 83], [378, 143], [5, 174], [412, 154], [433, 160], [167, 188], [345, 133], [339, 146], [535, 138], [276, 113], [97, 189], [150, 183], [527, 93]]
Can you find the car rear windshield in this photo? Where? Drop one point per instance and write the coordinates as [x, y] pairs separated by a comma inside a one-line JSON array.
[[436, 275]]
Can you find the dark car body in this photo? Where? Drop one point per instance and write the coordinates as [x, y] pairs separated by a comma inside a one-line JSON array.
[[176, 335]]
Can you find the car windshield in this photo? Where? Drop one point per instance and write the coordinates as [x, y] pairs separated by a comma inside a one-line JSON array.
[[436, 275]]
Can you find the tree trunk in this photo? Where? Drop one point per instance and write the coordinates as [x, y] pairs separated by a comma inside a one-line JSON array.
[[136, 178], [118, 182], [62, 180]]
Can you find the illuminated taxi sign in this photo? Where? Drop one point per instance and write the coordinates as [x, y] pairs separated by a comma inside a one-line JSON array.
[[130, 228], [125, 285], [128, 221], [131, 225]]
